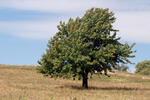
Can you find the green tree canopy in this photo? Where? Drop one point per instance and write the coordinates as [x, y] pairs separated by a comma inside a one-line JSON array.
[[85, 45], [143, 67]]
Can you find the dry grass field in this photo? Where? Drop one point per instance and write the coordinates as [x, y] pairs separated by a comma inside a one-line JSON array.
[[24, 83]]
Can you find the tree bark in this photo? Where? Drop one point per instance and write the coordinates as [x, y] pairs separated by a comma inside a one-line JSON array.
[[85, 81]]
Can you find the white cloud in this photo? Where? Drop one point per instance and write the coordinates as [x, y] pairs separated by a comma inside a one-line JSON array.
[[34, 30], [74, 6], [134, 26], [59, 6]]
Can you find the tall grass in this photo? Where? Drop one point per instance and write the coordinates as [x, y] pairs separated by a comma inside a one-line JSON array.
[[24, 83]]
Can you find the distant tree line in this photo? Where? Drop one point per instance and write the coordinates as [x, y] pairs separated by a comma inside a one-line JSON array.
[[122, 68], [143, 67]]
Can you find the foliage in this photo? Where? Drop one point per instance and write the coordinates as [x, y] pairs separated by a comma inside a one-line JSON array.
[[143, 67], [85, 45]]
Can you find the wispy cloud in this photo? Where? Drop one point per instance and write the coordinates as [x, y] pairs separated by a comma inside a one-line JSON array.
[[36, 29], [33, 30], [72, 6], [132, 17], [59, 6], [134, 26]]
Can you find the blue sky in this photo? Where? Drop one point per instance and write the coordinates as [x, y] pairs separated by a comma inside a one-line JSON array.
[[27, 25]]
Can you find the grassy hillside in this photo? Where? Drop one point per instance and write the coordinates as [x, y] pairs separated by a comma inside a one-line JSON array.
[[24, 83]]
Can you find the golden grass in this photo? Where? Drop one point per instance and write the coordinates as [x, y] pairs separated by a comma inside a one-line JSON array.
[[24, 83]]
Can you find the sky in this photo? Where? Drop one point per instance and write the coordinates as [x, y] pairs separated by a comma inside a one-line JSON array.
[[27, 25]]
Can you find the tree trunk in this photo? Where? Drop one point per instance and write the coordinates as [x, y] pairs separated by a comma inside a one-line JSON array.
[[85, 81]]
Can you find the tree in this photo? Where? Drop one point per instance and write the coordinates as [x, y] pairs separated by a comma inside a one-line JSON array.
[[143, 67], [83, 46], [122, 68]]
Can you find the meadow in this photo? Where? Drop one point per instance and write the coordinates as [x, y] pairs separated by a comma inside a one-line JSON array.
[[24, 83]]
